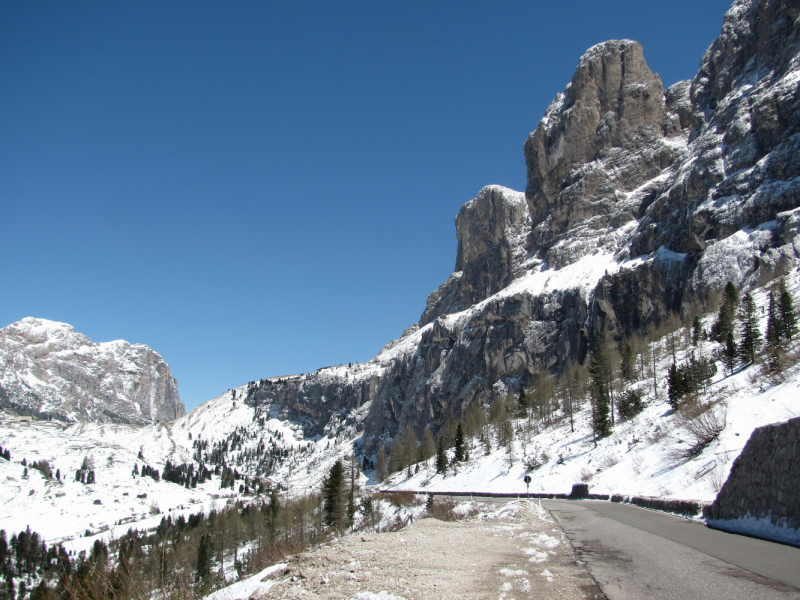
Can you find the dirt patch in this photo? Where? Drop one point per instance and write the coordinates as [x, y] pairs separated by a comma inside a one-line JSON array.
[[514, 551]]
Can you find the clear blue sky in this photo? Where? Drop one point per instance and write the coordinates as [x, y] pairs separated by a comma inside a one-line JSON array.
[[262, 188]]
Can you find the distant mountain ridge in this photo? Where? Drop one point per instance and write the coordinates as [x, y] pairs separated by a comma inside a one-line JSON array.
[[50, 371]]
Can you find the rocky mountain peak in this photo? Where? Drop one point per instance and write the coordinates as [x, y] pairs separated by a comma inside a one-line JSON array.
[[640, 204], [607, 134], [49, 370]]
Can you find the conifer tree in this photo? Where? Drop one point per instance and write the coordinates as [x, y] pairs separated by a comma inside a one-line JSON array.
[[441, 456], [351, 493], [598, 370], [428, 446], [380, 464], [773, 324], [729, 352], [727, 313], [411, 447], [627, 363], [204, 553], [522, 403], [787, 316], [751, 335], [332, 495], [459, 444], [697, 331]]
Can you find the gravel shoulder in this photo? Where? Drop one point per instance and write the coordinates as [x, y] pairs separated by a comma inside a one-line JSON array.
[[515, 551]]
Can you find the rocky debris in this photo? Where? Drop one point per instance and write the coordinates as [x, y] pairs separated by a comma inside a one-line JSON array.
[[50, 371], [764, 482], [500, 554]]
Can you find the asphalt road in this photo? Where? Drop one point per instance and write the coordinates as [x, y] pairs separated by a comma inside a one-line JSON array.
[[634, 553]]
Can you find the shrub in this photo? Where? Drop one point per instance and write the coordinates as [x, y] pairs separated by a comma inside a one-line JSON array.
[[536, 460], [702, 429], [630, 403]]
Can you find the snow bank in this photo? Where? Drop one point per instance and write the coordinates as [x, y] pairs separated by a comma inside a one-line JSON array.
[[761, 528], [248, 587]]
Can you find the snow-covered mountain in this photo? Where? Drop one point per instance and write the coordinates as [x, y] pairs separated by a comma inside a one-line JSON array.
[[50, 371], [641, 204]]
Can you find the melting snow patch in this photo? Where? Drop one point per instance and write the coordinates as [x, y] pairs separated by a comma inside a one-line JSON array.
[[247, 587], [762, 528], [382, 595], [542, 540], [510, 573], [525, 586], [547, 574], [507, 587], [536, 556]]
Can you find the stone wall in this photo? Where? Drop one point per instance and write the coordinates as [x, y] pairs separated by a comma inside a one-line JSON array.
[[764, 482]]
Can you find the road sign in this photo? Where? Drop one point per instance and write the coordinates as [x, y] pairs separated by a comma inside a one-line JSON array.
[[527, 478]]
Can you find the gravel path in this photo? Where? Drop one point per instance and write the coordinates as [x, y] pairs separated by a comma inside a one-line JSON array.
[[517, 551]]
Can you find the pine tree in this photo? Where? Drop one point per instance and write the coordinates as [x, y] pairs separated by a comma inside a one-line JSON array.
[[332, 495], [787, 316], [697, 331], [751, 335], [441, 456], [627, 363], [380, 464], [397, 455], [428, 446], [598, 369], [773, 323], [204, 553], [351, 493], [729, 352], [675, 389], [727, 312], [459, 444], [522, 403], [411, 447]]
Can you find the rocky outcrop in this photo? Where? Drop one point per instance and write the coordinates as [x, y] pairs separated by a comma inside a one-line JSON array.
[[50, 371], [639, 203], [491, 232]]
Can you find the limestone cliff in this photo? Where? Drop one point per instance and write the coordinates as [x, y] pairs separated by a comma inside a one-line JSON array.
[[50, 371], [639, 202]]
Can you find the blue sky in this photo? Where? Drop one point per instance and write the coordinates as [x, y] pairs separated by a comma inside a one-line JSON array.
[[262, 188]]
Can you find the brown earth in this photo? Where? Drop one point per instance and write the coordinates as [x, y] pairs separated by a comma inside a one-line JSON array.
[[516, 551]]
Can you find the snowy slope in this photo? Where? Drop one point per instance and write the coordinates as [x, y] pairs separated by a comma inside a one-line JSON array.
[[65, 510], [637, 459]]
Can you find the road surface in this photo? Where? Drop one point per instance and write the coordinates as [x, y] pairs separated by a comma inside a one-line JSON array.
[[639, 554]]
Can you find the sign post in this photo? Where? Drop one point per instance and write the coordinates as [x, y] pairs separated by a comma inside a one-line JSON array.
[[528, 486]]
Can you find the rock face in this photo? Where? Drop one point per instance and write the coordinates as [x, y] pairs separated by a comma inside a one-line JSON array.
[[491, 232], [48, 370], [640, 204], [764, 482]]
